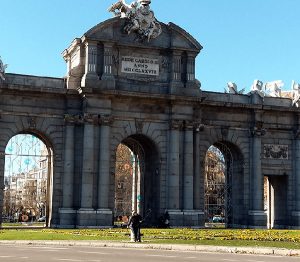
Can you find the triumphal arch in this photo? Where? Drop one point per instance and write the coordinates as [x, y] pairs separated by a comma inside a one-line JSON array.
[[131, 81]]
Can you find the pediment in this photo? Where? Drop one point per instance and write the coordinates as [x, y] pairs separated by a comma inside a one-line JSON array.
[[172, 36]]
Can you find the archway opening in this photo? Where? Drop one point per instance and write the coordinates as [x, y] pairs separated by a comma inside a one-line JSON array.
[[27, 182], [136, 180], [215, 186], [224, 186]]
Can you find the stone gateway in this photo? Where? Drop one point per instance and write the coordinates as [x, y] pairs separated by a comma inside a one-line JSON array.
[[135, 85]]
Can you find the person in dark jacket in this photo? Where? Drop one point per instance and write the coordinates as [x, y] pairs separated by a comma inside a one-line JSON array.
[[134, 224]]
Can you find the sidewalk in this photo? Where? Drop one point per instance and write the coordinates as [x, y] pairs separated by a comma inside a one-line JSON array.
[[177, 247]]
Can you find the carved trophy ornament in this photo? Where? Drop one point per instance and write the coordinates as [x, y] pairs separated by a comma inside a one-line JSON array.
[[2, 69], [276, 151], [139, 19]]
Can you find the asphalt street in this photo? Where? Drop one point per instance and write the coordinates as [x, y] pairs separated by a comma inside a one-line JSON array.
[[56, 253]]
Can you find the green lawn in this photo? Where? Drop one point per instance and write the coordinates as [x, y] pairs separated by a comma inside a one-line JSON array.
[[219, 237]]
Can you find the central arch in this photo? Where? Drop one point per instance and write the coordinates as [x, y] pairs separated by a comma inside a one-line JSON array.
[[228, 191], [137, 186]]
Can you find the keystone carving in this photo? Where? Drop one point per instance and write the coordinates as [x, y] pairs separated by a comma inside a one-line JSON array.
[[139, 125], [32, 122]]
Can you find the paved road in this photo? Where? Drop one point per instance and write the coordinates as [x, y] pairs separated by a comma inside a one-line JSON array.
[[10, 253]]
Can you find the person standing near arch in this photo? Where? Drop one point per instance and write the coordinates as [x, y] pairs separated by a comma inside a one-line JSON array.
[[134, 224]]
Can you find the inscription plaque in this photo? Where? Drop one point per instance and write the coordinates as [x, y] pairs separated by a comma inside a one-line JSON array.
[[140, 65]]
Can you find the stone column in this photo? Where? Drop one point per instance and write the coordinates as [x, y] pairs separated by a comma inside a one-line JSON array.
[[198, 178], [91, 54], [104, 214], [173, 179], [197, 170], [86, 213], [67, 212], [173, 158], [188, 173], [2, 164], [257, 177], [257, 214]]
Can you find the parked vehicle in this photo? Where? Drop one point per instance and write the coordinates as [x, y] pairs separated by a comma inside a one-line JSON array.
[[42, 219], [218, 219]]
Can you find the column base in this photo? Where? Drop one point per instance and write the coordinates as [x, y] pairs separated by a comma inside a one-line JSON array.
[[296, 219], [89, 80], [176, 87], [186, 218], [86, 217], [257, 219], [104, 217], [67, 218]]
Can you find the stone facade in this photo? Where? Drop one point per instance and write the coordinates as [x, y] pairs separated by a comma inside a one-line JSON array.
[[119, 90]]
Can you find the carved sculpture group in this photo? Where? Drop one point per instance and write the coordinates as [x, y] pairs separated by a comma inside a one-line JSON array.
[[2, 69], [271, 89], [139, 19]]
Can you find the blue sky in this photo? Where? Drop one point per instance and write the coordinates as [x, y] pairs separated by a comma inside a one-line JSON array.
[[242, 40]]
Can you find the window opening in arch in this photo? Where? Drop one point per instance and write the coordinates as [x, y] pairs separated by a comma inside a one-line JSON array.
[[26, 181], [128, 180], [216, 195]]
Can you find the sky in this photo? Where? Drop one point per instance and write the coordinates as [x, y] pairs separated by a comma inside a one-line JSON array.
[[242, 40]]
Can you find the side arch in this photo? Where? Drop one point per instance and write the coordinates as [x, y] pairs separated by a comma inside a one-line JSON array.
[[50, 132]]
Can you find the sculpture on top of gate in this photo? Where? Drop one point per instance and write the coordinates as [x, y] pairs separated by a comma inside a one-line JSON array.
[[139, 18], [2, 69]]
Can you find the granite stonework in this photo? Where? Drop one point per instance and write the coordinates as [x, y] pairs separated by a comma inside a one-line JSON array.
[[119, 89]]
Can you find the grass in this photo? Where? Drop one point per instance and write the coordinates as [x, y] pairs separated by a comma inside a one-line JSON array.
[[218, 237]]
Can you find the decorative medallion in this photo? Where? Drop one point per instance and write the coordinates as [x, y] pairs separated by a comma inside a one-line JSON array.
[[276, 151], [139, 19]]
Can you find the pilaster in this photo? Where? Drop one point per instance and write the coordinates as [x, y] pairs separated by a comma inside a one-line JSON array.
[[67, 212], [90, 74], [108, 63], [190, 74], [176, 71]]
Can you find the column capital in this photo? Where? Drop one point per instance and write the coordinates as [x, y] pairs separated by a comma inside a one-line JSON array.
[[106, 120], [297, 133], [189, 125], [91, 118], [257, 129], [72, 119], [176, 124], [199, 126], [258, 132]]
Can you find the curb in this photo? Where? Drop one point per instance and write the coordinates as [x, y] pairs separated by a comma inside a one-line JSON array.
[[175, 247]]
